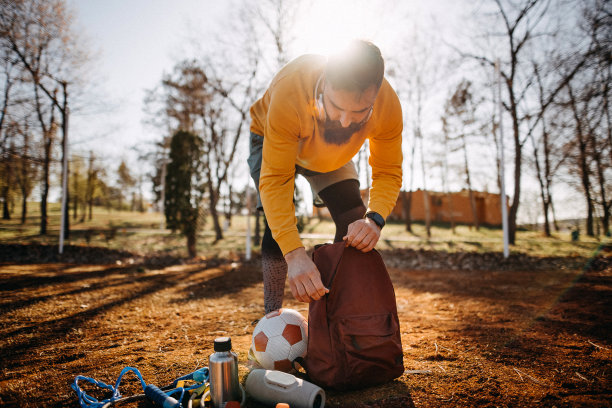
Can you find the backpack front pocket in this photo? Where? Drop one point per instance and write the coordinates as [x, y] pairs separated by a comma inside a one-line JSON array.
[[372, 349]]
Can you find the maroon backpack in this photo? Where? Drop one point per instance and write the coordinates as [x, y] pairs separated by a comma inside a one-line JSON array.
[[353, 332]]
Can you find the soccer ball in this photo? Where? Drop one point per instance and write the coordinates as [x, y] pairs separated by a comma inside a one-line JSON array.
[[279, 338]]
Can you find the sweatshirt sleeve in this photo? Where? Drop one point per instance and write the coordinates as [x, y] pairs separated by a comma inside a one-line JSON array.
[[276, 183], [386, 158]]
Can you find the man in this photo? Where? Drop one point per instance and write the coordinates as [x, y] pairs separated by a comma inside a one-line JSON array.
[[312, 120]]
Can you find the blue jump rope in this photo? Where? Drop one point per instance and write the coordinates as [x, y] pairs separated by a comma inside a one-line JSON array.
[[155, 394]]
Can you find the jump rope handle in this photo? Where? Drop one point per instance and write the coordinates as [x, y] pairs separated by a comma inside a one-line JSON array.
[[159, 397]]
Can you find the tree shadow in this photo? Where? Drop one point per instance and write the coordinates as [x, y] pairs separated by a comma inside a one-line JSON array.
[[556, 300], [224, 280], [392, 394], [51, 330]]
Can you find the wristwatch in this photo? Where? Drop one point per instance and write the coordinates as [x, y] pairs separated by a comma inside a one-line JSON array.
[[377, 218]]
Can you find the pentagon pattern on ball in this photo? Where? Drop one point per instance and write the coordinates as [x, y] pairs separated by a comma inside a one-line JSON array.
[[292, 333], [279, 338], [260, 341]]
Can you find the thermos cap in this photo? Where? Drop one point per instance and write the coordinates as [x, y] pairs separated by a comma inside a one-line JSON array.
[[223, 344]]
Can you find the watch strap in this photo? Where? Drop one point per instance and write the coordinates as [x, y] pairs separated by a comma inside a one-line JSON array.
[[377, 218]]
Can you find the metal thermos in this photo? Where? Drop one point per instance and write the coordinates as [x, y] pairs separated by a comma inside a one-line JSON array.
[[223, 367]]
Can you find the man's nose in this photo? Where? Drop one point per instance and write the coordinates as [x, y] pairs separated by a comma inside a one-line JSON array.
[[345, 119]]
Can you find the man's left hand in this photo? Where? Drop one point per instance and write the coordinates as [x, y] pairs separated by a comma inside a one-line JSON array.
[[362, 234]]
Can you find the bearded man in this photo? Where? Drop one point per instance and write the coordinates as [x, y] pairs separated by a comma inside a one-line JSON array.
[[312, 120]]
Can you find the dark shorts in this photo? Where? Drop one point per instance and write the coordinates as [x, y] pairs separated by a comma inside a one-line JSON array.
[[318, 181]]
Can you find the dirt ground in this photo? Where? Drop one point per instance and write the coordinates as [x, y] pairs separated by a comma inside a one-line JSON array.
[[533, 333]]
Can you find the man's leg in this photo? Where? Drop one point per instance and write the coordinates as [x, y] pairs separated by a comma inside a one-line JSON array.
[[344, 203], [273, 263], [274, 269]]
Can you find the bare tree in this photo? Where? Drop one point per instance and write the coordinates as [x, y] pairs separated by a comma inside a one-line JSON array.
[[38, 33], [548, 153], [27, 170], [460, 116], [416, 69], [523, 23]]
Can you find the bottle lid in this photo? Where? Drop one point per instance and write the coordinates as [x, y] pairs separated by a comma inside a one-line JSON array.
[[223, 344]]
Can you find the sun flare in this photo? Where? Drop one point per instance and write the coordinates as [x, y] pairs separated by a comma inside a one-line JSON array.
[[328, 25]]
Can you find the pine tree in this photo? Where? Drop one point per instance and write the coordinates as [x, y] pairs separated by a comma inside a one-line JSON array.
[[183, 187]]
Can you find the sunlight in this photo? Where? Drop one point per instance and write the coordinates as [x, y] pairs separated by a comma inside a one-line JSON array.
[[328, 25]]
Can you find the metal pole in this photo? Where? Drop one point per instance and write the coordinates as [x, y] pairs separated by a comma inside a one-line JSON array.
[[504, 206], [248, 221]]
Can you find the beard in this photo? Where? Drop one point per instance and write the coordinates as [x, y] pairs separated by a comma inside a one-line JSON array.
[[334, 133]]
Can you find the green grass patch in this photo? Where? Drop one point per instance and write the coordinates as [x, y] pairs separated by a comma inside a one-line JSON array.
[[141, 232]]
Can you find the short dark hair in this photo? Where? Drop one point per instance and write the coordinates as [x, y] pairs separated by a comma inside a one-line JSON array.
[[357, 67]]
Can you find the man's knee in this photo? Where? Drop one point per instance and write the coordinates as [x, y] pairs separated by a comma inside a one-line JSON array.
[[342, 197]]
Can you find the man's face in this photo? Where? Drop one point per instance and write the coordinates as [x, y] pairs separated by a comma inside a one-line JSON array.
[[346, 112]]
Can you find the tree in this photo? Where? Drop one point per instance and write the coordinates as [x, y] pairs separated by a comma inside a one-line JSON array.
[[79, 187], [125, 182], [184, 189], [523, 25], [27, 170], [586, 102], [548, 155], [93, 185], [459, 117], [416, 70], [7, 179], [38, 35]]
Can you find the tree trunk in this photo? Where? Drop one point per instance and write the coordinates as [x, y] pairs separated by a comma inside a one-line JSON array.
[[89, 190], [425, 195], [212, 206], [67, 215], [191, 242], [44, 220], [427, 213], [408, 204], [601, 178], [407, 207], [24, 207], [518, 160], [583, 164], [543, 188], [6, 214], [554, 217], [75, 202]]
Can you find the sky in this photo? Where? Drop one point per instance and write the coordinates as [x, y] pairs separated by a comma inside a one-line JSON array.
[[133, 43]]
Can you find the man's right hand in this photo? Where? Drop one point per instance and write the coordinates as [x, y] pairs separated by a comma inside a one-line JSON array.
[[304, 277]]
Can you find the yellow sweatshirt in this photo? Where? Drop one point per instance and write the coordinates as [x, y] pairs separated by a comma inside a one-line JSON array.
[[285, 116]]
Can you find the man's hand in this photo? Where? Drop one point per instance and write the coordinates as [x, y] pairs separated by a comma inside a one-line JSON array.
[[304, 277], [362, 234]]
